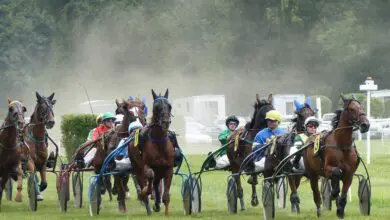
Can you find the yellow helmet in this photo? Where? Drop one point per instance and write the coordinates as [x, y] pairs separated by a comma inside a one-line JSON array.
[[99, 118], [274, 115]]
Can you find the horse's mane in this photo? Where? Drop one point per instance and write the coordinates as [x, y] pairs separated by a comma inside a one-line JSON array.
[[335, 121]]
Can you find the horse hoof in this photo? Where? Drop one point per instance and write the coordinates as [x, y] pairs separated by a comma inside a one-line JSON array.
[[156, 208], [340, 213], [318, 213], [122, 207], [295, 208], [42, 186], [255, 202], [18, 197]]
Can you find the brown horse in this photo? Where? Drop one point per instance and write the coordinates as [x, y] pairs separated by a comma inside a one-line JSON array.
[[282, 150], [10, 142], [35, 139], [154, 158], [133, 111], [237, 154], [337, 157]]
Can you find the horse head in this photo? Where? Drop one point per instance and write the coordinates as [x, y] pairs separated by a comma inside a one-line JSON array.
[[353, 114], [161, 110], [133, 110], [262, 106], [302, 111], [44, 110], [15, 115]]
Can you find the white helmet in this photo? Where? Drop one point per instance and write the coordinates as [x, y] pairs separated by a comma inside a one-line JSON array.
[[134, 125], [312, 119]]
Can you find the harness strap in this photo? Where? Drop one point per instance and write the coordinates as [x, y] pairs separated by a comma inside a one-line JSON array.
[[136, 137]]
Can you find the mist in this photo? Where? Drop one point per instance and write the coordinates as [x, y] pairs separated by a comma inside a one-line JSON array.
[[190, 47]]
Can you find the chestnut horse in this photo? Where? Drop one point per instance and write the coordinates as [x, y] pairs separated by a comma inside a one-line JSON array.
[[337, 157], [237, 154], [282, 150], [11, 142], [133, 110], [35, 139], [153, 160]]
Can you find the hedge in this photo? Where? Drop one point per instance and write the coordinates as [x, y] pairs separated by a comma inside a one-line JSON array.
[[74, 130]]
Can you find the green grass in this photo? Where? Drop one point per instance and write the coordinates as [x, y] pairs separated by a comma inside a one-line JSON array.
[[214, 203]]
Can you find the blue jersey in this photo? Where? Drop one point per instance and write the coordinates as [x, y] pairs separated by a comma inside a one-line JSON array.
[[265, 135]]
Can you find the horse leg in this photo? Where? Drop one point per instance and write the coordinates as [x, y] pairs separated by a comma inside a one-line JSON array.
[[121, 193], [127, 190], [18, 196], [341, 201], [255, 200], [167, 186], [316, 192], [43, 184], [294, 198], [145, 185], [157, 193], [335, 181]]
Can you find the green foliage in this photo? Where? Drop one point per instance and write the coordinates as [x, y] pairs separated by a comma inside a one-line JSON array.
[[326, 103], [75, 129], [387, 109]]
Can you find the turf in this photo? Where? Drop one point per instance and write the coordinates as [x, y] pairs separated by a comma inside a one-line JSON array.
[[214, 203]]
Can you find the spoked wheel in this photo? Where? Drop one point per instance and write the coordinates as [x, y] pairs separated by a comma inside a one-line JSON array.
[[64, 192], [191, 196], [8, 189], [268, 200], [32, 192], [78, 190], [94, 195], [282, 192], [326, 192], [364, 192], [232, 196]]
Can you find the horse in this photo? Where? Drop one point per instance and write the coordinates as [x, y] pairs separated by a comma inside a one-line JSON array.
[[133, 110], [11, 142], [337, 157], [244, 148], [154, 158], [35, 139], [282, 150]]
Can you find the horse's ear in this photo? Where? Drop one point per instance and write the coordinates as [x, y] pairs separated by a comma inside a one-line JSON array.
[[342, 97], [39, 97], [51, 97], [257, 98], [270, 99], [154, 94], [9, 100], [166, 94], [117, 103], [53, 102]]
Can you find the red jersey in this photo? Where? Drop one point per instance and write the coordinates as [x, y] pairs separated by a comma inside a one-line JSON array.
[[99, 131]]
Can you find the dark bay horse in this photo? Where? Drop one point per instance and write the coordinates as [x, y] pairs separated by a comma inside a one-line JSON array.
[[11, 142], [35, 139], [282, 149], [237, 154], [153, 160], [337, 157]]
